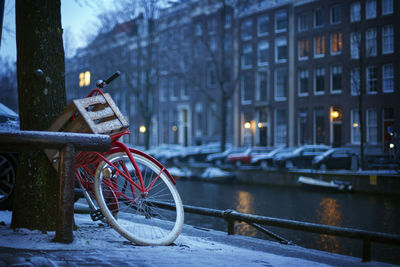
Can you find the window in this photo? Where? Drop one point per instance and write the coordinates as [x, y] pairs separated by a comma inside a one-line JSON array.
[[280, 127], [319, 126], [212, 24], [280, 21], [84, 79], [262, 25], [228, 20], [175, 88], [302, 127], [355, 127], [262, 86], [319, 84], [372, 126], [370, 9], [212, 75], [198, 108], [302, 22], [387, 39], [387, 7], [336, 43], [280, 50], [164, 89], [319, 46], [355, 12], [355, 81], [336, 14], [387, 78], [213, 44], [318, 18], [304, 49], [336, 79], [263, 52], [372, 78], [246, 29], [247, 56], [355, 44], [246, 88], [198, 30], [280, 84], [303, 83], [184, 90], [370, 42]]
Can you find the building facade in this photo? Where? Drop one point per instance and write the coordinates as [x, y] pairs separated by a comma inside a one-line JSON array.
[[292, 72]]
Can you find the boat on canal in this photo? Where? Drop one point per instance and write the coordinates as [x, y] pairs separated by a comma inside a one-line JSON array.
[[318, 184]]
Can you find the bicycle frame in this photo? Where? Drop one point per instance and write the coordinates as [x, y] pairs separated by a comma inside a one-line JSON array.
[[88, 161]]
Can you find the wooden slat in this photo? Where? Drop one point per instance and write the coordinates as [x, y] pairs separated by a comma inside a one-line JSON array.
[[100, 114], [116, 110], [109, 126], [85, 102]]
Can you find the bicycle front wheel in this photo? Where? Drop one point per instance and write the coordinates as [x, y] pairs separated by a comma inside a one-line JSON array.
[[148, 215]]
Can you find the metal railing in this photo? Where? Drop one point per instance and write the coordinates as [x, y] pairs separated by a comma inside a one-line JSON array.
[[67, 144], [232, 216]]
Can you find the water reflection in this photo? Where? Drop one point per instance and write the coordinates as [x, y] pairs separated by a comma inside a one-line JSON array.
[[244, 204], [329, 214]]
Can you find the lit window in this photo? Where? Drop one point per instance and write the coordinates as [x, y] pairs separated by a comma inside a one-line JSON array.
[[355, 126], [280, 21], [372, 80], [387, 39], [370, 40], [336, 14], [370, 9], [336, 43], [336, 79], [304, 49], [387, 78], [319, 46], [387, 7], [355, 12], [84, 79]]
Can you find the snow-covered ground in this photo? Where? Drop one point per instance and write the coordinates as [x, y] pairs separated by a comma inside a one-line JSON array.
[[189, 250]]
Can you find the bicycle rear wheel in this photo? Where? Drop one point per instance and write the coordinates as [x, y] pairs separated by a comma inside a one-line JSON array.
[[138, 215]]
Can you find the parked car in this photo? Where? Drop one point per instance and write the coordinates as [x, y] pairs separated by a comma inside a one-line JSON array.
[[245, 157], [336, 158], [266, 161], [301, 157], [199, 153], [220, 158], [8, 160]]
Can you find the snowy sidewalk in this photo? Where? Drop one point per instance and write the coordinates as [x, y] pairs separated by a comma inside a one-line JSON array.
[[96, 245]]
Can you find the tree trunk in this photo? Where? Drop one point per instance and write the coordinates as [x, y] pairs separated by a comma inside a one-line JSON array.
[[41, 96]]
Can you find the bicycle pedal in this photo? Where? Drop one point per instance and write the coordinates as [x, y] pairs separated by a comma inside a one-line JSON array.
[[96, 215]]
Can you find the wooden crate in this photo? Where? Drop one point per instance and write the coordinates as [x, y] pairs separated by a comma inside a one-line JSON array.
[[97, 114]]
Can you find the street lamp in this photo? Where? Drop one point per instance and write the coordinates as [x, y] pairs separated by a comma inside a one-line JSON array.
[[142, 129], [247, 125]]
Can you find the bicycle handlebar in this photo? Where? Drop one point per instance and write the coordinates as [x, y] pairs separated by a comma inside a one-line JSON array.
[[102, 83]]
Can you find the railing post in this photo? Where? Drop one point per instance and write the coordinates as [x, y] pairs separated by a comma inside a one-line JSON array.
[[366, 256], [231, 222], [65, 205]]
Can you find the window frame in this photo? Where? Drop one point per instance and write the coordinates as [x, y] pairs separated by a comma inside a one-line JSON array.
[[337, 43], [321, 44], [338, 15], [278, 87], [373, 80], [371, 9], [278, 43], [300, 83], [389, 79], [316, 71], [263, 45], [262, 19], [277, 16], [387, 39], [355, 12], [333, 67]]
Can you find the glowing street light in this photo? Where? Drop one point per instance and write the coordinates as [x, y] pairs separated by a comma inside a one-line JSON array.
[[142, 129], [247, 125]]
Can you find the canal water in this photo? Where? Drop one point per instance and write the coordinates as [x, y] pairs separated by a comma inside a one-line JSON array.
[[379, 213]]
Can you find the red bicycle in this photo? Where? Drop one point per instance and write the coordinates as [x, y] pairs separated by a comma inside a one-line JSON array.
[[130, 190]]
